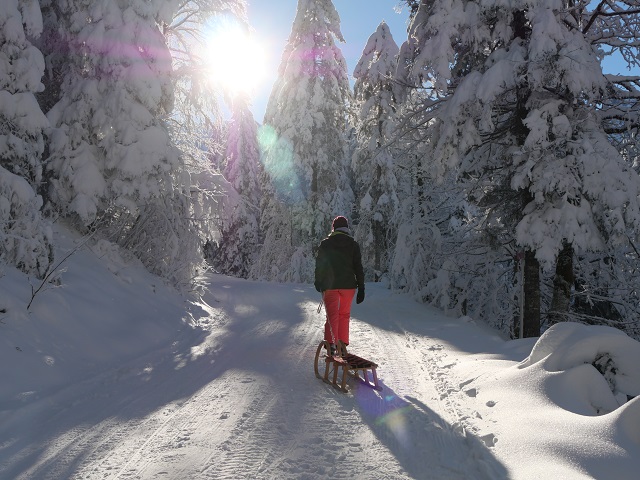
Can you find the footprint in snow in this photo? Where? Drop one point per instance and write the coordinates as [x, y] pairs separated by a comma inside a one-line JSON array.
[[489, 440]]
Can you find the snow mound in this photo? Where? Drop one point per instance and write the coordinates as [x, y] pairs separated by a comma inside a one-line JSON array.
[[596, 363]]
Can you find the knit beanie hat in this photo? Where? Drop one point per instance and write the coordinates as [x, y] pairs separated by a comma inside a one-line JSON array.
[[340, 222]]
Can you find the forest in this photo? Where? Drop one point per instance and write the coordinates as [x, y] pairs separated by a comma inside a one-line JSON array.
[[487, 163]]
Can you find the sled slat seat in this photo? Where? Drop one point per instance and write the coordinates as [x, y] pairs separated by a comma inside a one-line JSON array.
[[353, 361], [350, 364]]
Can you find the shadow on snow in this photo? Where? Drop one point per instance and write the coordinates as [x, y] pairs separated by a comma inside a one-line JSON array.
[[250, 328]]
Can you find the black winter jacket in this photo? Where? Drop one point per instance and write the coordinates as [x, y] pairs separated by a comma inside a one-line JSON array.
[[339, 263]]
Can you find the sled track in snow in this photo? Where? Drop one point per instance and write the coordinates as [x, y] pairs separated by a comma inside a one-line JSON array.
[[237, 409], [436, 368], [133, 448], [244, 451], [418, 421], [449, 394], [446, 389], [244, 403]]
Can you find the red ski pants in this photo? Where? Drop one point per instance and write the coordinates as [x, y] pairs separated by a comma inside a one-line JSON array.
[[337, 303]]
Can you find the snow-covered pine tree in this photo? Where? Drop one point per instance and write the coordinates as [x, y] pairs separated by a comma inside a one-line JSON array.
[[276, 225], [240, 217], [606, 286], [373, 161], [242, 159], [25, 237], [522, 126], [425, 257], [112, 165], [306, 124], [109, 147]]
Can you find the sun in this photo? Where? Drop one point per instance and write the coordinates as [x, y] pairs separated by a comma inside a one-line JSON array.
[[235, 59]]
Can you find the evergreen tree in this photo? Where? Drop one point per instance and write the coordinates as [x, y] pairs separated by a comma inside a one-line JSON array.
[[239, 221], [112, 165], [109, 147], [606, 284], [306, 125], [520, 86], [25, 237], [373, 161], [242, 160]]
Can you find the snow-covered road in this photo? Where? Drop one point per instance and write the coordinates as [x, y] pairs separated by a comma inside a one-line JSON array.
[[237, 398]]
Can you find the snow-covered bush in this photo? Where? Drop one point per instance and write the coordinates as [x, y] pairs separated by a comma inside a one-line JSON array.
[[597, 363], [163, 235], [448, 258], [413, 263], [607, 290]]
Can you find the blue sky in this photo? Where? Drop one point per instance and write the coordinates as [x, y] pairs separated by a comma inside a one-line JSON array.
[[272, 21]]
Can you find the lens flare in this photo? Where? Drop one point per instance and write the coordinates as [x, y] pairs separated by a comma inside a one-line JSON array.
[[277, 155], [390, 412]]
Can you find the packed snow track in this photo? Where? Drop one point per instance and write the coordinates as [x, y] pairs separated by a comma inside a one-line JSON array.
[[236, 397]]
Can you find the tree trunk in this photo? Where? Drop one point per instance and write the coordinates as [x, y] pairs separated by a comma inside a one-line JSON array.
[[562, 283], [377, 229], [531, 315], [531, 274], [377, 249]]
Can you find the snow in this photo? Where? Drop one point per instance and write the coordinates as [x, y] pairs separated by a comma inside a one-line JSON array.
[[111, 374]]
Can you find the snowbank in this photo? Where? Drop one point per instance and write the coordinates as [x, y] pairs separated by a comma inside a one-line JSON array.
[[99, 311], [564, 411]]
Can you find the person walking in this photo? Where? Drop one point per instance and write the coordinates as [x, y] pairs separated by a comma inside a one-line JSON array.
[[338, 274]]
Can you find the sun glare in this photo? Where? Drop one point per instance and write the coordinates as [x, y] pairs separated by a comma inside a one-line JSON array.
[[236, 61]]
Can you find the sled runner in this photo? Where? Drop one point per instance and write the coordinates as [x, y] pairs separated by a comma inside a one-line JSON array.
[[350, 364]]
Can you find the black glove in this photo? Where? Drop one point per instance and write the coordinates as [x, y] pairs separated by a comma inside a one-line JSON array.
[[360, 296]]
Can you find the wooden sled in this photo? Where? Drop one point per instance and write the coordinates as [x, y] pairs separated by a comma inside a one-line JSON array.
[[350, 364]]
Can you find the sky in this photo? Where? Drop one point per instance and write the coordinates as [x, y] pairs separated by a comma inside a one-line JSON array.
[[110, 374], [359, 19]]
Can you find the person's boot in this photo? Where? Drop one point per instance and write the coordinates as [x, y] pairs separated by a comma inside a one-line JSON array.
[[332, 349]]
